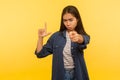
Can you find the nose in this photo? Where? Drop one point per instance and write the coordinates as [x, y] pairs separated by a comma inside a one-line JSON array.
[[68, 23]]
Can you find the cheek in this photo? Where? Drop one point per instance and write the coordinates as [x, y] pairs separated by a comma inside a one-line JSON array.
[[75, 24], [64, 24]]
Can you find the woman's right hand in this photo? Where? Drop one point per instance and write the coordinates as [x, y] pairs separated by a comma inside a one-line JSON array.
[[43, 32]]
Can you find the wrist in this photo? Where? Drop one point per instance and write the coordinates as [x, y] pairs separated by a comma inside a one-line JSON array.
[[40, 38], [80, 39]]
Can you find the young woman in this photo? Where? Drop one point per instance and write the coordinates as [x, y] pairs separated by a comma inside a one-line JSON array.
[[67, 47]]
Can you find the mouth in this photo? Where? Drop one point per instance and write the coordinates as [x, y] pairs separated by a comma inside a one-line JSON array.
[[69, 28]]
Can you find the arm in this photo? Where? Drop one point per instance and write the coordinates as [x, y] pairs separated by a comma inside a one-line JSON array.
[[82, 40], [86, 40], [39, 44], [41, 34]]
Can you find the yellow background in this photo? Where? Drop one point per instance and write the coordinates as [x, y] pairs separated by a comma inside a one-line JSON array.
[[21, 19]]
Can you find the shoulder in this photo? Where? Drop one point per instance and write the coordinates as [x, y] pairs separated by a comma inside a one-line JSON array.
[[55, 35]]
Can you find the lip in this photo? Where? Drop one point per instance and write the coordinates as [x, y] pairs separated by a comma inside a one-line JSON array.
[[69, 28]]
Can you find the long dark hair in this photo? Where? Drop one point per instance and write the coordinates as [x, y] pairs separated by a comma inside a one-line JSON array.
[[74, 11]]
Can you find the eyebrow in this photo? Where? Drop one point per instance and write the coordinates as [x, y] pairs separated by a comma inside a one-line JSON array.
[[68, 19]]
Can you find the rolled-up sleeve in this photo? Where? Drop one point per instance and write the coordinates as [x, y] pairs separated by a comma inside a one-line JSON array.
[[85, 42], [46, 50]]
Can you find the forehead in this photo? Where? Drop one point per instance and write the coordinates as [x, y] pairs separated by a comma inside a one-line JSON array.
[[68, 16]]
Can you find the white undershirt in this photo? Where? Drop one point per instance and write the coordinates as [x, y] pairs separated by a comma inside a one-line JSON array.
[[67, 57]]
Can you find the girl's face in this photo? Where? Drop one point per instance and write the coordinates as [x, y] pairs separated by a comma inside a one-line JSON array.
[[69, 21]]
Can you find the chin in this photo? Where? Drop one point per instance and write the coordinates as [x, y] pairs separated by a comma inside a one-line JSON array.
[[70, 30]]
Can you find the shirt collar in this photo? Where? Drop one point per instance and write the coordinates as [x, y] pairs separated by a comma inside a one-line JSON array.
[[64, 33]]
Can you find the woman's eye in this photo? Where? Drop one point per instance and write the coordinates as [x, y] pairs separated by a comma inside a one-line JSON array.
[[70, 19], [64, 20]]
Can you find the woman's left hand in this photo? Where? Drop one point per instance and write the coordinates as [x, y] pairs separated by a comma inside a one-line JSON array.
[[75, 37]]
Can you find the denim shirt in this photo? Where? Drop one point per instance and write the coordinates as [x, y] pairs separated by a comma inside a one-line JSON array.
[[55, 46]]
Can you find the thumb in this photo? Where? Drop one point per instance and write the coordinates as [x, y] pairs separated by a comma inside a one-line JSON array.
[[48, 33]]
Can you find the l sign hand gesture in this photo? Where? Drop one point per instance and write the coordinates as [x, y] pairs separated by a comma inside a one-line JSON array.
[[43, 32]]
